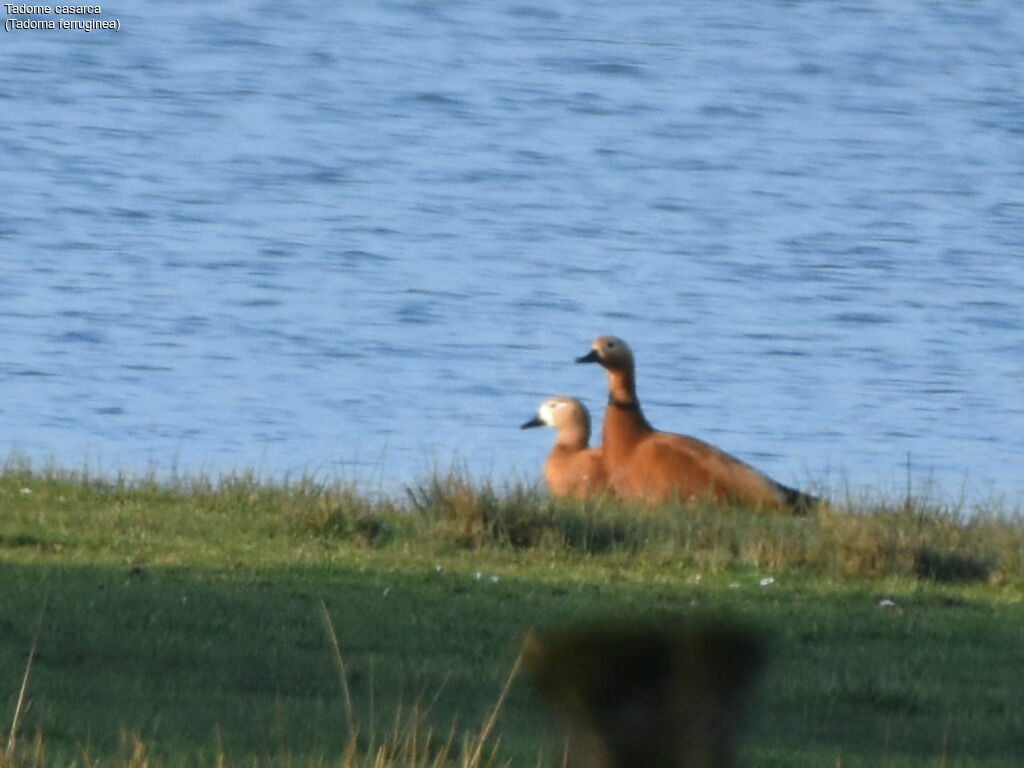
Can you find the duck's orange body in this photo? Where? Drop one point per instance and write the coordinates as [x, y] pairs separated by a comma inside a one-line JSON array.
[[572, 468], [652, 466]]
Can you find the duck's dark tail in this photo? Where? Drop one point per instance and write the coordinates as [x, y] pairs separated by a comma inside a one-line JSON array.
[[798, 501]]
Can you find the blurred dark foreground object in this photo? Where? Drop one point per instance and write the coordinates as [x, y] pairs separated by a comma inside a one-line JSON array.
[[647, 698]]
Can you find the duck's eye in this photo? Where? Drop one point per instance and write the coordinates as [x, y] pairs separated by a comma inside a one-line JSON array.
[[611, 345]]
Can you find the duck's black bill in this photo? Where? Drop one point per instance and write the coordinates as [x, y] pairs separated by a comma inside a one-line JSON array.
[[534, 422], [590, 357]]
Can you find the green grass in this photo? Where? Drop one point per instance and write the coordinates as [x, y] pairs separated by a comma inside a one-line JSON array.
[[182, 621]]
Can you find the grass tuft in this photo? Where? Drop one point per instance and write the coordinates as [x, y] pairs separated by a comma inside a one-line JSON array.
[[854, 538]]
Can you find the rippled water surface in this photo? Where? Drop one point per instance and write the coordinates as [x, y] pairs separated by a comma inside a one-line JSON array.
[[363, 239]]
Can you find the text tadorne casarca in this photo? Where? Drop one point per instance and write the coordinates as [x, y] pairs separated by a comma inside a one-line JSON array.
[[18, 9]]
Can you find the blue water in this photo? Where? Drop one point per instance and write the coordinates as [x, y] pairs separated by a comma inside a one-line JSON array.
[[363, 239]]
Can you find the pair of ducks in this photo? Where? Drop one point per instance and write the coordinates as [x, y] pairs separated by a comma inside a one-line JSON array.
[[636, 461]]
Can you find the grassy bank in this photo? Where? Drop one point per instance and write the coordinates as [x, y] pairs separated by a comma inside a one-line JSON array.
[[179, 623]]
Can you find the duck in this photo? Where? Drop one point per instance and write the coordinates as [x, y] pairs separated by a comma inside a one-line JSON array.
[[573, 468], [653, 467]]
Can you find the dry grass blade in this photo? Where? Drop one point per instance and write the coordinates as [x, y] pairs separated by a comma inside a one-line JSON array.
[[339, 662], [20, 706], [481, 740]]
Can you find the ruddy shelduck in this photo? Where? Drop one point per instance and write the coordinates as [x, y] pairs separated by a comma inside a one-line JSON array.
[[573, 468], [653, 466]]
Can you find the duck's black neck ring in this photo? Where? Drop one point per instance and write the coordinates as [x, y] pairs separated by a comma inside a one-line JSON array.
[[626, 405]]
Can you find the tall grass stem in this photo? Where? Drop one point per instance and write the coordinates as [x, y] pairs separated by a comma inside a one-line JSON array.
[[485, 732], [19, 707], [339, 663]]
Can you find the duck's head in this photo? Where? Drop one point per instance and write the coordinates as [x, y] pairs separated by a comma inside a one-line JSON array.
[[561, 413], [611, 352]]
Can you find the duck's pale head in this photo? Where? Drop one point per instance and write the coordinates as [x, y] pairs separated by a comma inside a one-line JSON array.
[[560, 412]]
